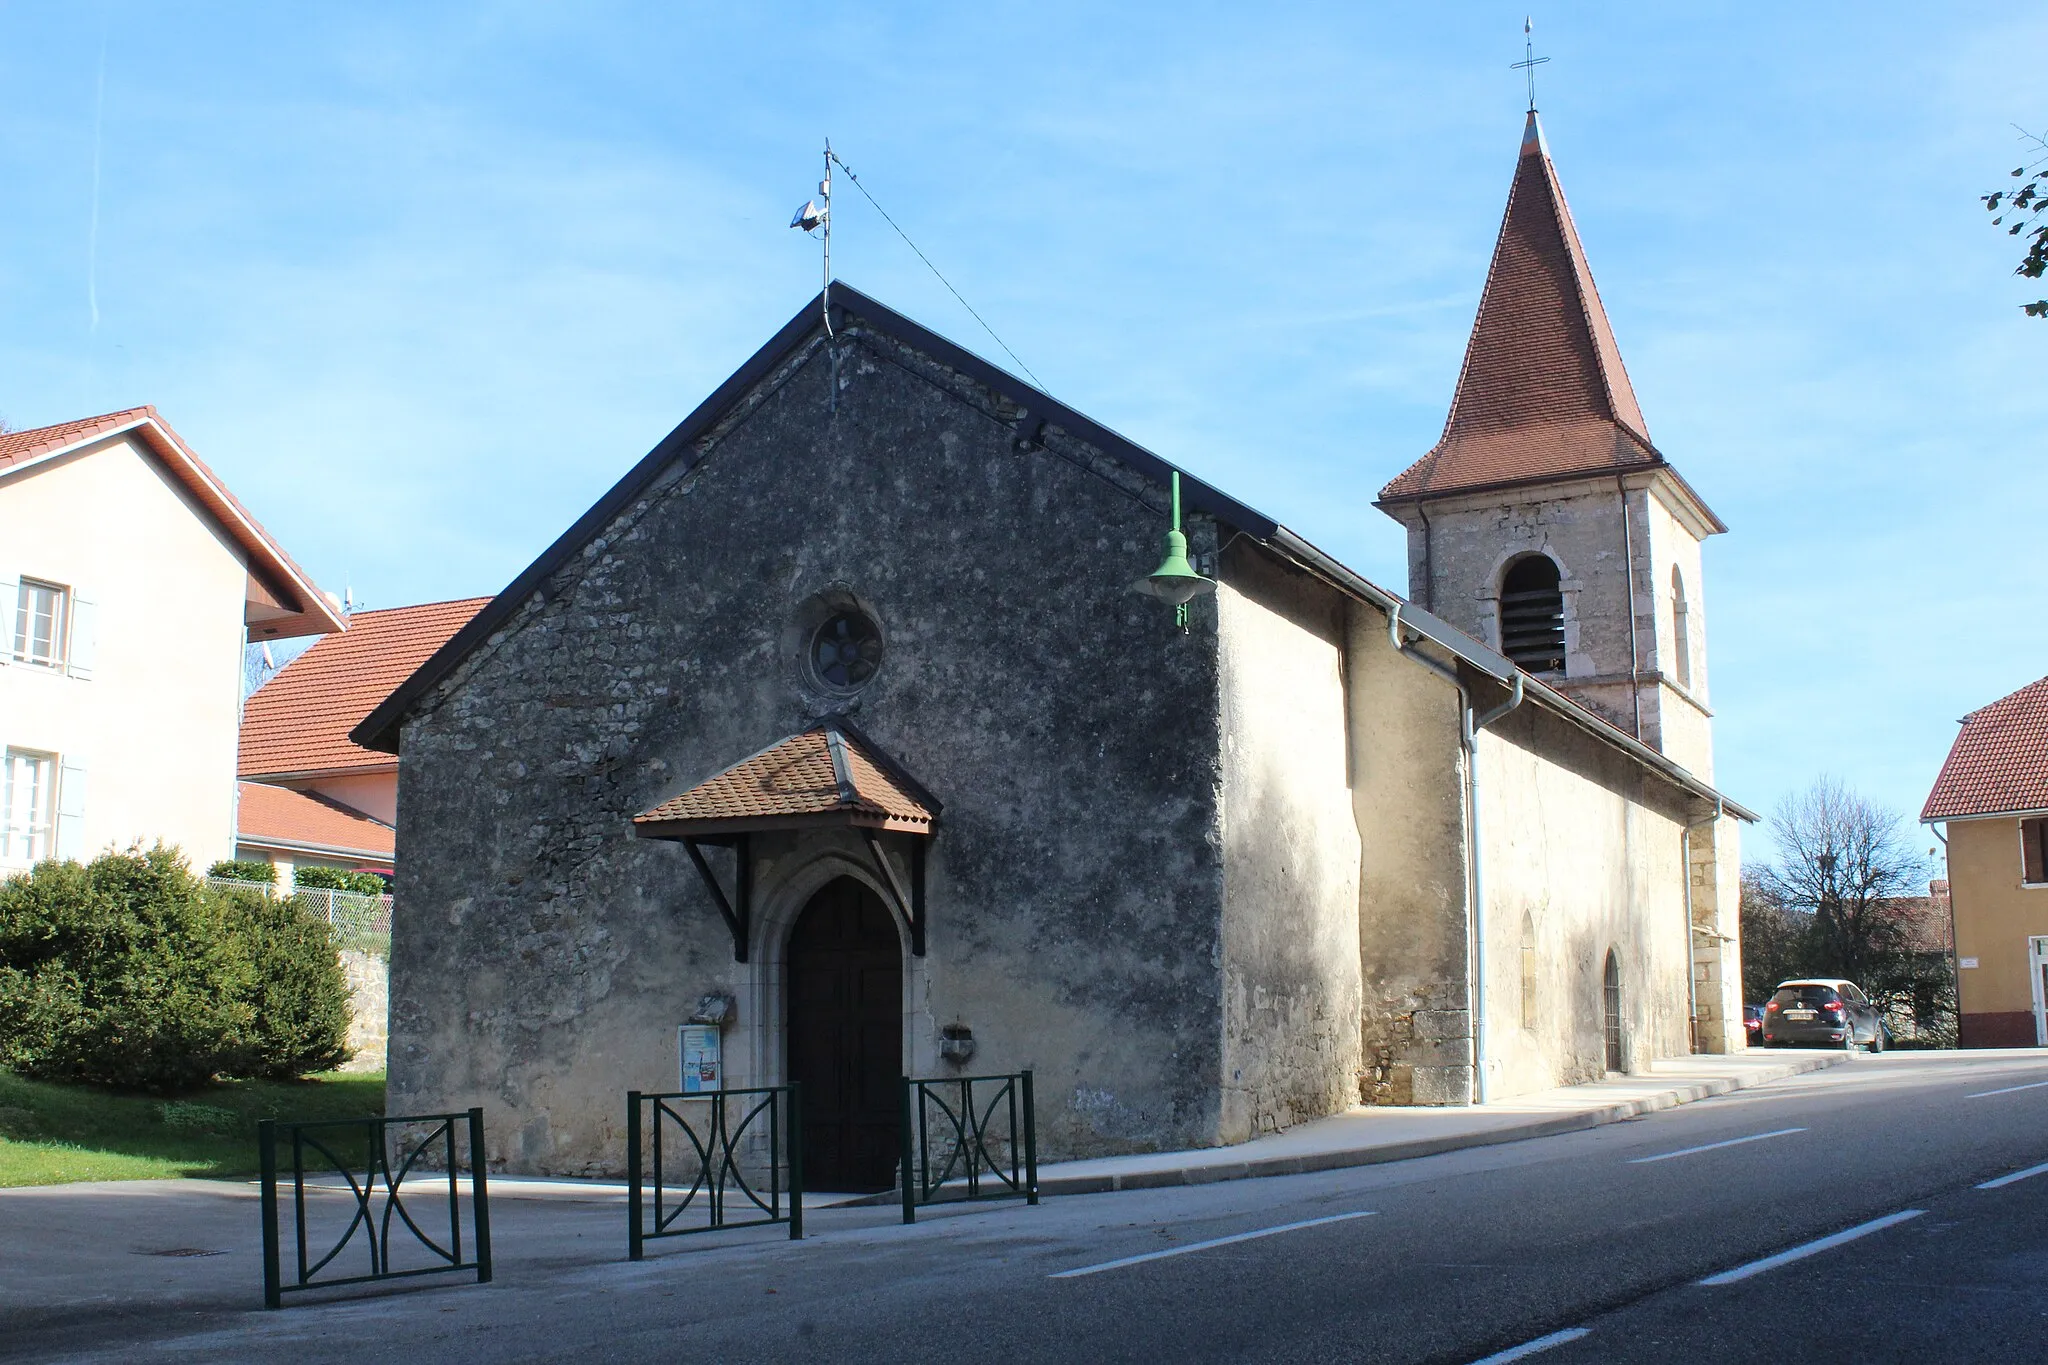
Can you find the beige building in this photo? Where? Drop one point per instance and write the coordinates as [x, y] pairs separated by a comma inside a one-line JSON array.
[[1992, 795], [130, 582]]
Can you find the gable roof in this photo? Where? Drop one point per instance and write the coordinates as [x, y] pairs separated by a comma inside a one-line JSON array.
[[852, 311], [297, 724], [278, 817], [1543, 394], [828, 774], [1999, 762], [283, 599]]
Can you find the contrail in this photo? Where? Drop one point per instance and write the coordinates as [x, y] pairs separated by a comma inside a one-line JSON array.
[[92, 241]]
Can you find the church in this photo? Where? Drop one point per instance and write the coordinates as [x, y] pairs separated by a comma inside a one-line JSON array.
[[837, 720]]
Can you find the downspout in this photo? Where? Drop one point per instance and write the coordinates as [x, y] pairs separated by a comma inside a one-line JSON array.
[[1955, 967], [1469, 726], [1635, 658], [1692, 965]]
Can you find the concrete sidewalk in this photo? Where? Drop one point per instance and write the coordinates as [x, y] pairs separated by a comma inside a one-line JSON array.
[[1368, 1136]]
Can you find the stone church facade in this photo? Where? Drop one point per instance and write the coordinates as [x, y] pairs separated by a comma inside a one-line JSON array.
[[838, 707]]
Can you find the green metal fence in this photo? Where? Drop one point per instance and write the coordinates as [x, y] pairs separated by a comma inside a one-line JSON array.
[[687, 1155], [968, 1138], [374, 1158]]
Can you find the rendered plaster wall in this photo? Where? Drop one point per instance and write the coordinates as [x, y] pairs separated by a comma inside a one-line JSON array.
[[1582, 856], [1407, 794], [1996, 912], [149, 737], [1676, 716], [1076, 890], [1291, 990]]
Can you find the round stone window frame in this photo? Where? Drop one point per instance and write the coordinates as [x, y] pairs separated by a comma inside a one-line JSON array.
[[811, 617]]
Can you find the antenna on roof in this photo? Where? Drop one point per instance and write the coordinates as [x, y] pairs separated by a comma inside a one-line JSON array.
[[1530, 61], [816, 217]]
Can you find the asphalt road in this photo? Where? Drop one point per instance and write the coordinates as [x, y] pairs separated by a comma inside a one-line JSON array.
[[1598, 1242]]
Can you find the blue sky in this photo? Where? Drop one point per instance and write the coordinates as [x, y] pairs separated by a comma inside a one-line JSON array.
[[421, 280]]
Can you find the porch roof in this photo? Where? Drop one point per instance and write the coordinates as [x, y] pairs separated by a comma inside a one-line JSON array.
[[830, 774]]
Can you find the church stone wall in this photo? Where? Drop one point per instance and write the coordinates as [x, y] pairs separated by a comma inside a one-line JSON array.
[[1290, 844], [1582, 855], [1076, 885], [1407, 791]]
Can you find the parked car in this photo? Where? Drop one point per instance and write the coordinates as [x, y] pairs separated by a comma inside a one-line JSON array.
[[1753, 1024], [1824, 1013]]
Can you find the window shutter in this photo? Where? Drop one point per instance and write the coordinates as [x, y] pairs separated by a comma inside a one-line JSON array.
[[10, 588], [71, 810], [83, 636]]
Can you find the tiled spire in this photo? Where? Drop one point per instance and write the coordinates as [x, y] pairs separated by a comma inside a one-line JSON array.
[[1543, 394]]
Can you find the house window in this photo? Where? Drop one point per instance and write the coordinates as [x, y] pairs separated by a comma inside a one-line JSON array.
[[2034, 852], [1532, 615], [28, 800], [40, 613], [1681, 629]]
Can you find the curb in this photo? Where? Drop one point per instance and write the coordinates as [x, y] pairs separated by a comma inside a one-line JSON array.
[[1408, 1151]]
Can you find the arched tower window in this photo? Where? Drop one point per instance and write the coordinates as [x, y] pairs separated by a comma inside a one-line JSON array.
[[1681, 629], [1532, 615]]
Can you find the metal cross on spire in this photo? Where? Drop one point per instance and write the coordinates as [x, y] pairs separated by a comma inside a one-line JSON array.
[[1530, 61]]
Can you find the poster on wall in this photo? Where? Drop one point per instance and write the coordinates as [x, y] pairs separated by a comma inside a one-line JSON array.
[[702, 1067]]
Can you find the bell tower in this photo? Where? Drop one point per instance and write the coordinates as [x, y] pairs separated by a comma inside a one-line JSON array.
[[1544, 521]]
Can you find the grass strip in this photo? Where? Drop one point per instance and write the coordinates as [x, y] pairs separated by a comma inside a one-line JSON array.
[[51, 1134]]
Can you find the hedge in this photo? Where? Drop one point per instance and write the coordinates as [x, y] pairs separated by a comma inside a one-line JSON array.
[[129, 971]]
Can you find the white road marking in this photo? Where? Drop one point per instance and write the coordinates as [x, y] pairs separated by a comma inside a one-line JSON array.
[[2015, 1176], [1714, 1146], [1204, 1246], [1800, 1253], [1530, 1348], [2036, 1085]]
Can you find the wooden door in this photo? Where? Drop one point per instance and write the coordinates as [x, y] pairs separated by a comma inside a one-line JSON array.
[[846, 1037], [1610, 995]]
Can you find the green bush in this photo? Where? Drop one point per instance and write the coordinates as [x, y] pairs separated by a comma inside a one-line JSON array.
[[337, 879], [298, 995], [244, 870], [130, 972]]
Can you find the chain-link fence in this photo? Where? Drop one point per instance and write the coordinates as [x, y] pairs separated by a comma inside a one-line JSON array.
[[361, 923]]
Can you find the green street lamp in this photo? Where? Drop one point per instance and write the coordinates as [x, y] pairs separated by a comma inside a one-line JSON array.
[[1175, 580]]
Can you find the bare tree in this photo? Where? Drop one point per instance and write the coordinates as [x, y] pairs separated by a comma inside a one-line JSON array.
[[1776, 942], [1851, 874]]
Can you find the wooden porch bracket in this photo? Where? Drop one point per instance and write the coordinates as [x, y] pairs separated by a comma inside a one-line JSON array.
[[739, 910], [909, 904]]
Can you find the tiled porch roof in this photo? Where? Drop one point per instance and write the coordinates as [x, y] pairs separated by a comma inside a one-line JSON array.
[[829, 774]]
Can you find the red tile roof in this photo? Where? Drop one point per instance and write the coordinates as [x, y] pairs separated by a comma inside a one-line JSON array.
[[826, 775], [1543, 393], [280, 816], [1999, 763], [308, 612], [298, 722]]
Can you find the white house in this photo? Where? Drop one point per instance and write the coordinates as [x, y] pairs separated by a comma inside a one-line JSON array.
[[130, 582]]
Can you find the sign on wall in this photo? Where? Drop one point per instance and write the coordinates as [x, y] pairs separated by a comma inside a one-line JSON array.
[[703, 1066]]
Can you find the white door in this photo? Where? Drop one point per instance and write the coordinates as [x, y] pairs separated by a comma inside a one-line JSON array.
[[2037, 964]]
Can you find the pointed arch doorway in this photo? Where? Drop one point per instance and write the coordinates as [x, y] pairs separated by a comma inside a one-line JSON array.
[[845, 1035]]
